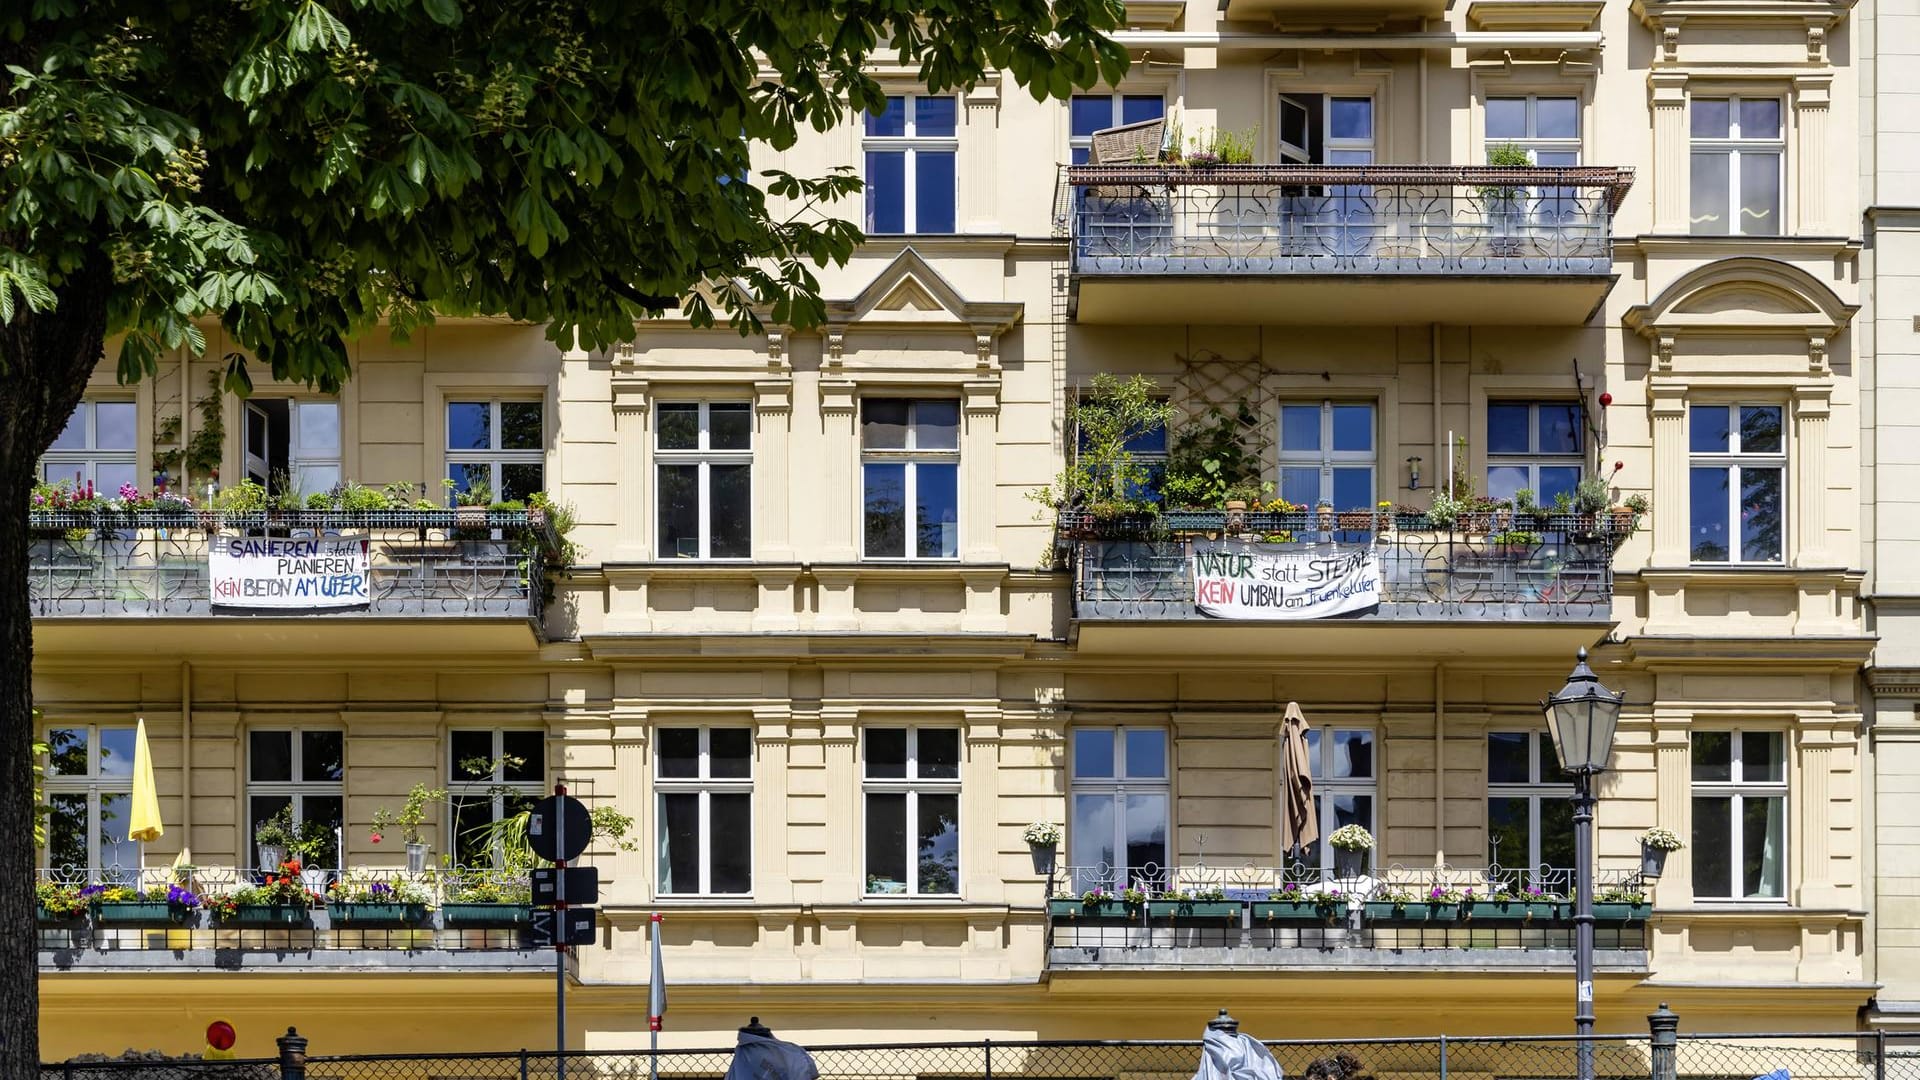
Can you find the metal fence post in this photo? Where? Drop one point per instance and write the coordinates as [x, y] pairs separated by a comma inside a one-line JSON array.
[[988, 1045], [1443, 1057], [1663, 1024], [523, 1063], [293, 1055], [1880, 1054]]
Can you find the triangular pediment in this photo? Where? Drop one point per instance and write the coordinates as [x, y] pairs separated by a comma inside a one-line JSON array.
[[910, 292]]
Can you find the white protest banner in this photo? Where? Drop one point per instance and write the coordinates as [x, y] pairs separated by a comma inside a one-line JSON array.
[[1266, 581], [277, 572]]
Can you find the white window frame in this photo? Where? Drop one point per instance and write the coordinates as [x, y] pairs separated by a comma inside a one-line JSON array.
[[493, 457], [913, 456], [1326, 788], [910, 145], [94, 785], [1535, 789], [1532, 142], [1739, 789], [1733, 146], [1326, 457], [1118, 787], [1534, 457], [87, 459], [496, 789], [1735, 460], [299, 456], [705, 785], [913, 785], [704, 457], [296, 789]]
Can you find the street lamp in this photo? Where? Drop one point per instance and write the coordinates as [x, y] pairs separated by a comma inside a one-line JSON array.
[[1582, 718]]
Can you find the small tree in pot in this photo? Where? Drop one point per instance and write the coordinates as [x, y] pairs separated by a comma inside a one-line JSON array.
[[412, 820]]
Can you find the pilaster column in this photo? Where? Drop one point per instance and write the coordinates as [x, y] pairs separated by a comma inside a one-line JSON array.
[[978, 193], [1812, 93], [1814, 813], [837, 408], [981, 854], [1668, 405], [1807, 487], [979, 438], [1668, 90], [632, 430], [773, 416], [630, 732], [1673, 800], [772, 877], [840, 735]]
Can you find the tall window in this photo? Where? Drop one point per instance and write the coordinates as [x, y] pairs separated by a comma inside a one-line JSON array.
[[1327, 454], [1534, 445], [1088, 113], [293, 440], [494, 774], [704, 786], [301, 768], [1120, 808], [1529, 807], [1738, 483], [913, 811], [1317, 129], [1737, 149], [910, 477], [1548, 129], [1344, 783], [498, 445], [911, 147], [703, 460], [1739, 815], [96, 446], [89, 786]]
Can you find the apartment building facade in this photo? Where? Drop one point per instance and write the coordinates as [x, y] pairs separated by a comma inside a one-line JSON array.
[[819, 643]]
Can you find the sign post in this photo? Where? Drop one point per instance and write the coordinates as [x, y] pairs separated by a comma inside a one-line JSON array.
[[558, 830]]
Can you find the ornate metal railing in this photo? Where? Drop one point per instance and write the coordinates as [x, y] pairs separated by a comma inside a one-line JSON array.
[[1342, 219], [436, 563], [1250, 882], [1486, 567]]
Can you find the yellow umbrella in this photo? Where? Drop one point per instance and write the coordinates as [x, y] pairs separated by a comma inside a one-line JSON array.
[[144, 823]]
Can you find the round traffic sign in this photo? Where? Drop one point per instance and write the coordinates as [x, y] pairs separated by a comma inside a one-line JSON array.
[[220, 1035], [544, 829]]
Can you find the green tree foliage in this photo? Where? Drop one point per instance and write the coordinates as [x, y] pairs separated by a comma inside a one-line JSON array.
[[303, 171]]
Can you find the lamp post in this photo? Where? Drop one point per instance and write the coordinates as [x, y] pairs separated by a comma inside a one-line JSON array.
[[1582, 718]]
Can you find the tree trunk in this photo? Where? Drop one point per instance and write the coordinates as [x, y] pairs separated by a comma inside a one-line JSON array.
[[45, 361]]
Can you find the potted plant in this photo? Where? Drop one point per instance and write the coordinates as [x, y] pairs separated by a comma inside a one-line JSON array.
[[281, 900], [1043, 843], [1621, 905], [56, 904], [125, 905], [1590, 500], [1103, 488], [273, 838], [1291, 904], [1209, 903], [1513, 544], [1655, 845], [361, 898], [411, 819], [1524, 906], [1440, 903], [1101, 904], [1626, 516], [1351, 845], [1501, 202], [489, 900]]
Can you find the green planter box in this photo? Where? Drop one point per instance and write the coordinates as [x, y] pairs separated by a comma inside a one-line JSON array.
[[1207, 910], [269, 915], [343, 914], [1621, 913], [1517, 911], [1298, 911], [1069, 910], [47, 918], [1419, 911], [137, 913], [456, 914]]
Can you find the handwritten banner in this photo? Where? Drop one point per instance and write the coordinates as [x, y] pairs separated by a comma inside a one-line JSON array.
[[275, 572], [1262, 581]]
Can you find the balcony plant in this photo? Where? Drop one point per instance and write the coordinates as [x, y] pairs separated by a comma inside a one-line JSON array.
[[1100, 904], [126, 905], [1352, 845], [280, 900], [1502, 203], [1104, 492], [1525, 905], [1621, 905], [1513, 544], [361, 898], [1209, 904], [411, 819], [57, 904], [1655, 845], [1043, 843], [488, 899], [1440, 903], [274, 837], [1291, 904]]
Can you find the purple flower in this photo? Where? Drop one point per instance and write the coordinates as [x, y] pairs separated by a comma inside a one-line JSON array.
[[1437, 893], [181, 897], [92, 890], [129, 492]]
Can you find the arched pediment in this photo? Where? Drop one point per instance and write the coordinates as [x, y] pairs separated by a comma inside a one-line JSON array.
[[1747, 296]]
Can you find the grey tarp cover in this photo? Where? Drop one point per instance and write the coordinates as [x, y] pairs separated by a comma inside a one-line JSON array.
[[1229, 1055], [760, 1058]]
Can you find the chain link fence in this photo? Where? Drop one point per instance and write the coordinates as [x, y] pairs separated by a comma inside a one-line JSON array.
[[1659, 1056]]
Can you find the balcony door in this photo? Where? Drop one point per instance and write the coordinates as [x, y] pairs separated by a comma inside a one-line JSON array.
[[1327, 129], [293, 442]]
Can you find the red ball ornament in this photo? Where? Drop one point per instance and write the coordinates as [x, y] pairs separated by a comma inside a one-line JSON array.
[[1606, 400]]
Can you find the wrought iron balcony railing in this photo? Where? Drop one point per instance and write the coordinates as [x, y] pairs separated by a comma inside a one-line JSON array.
[[420, 563], [1342, 219], [1494, 568]]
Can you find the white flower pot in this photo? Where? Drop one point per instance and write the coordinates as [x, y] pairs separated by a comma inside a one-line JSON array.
[[416, 859], [268, 857]]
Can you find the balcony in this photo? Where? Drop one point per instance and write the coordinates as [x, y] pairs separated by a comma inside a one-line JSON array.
[[1340, 244], [94, 577], [1296, 917], [1528, 585]]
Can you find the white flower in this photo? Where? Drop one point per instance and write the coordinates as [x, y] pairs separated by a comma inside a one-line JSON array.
[[1043, 834], [1351, 838], [1661, 839]]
